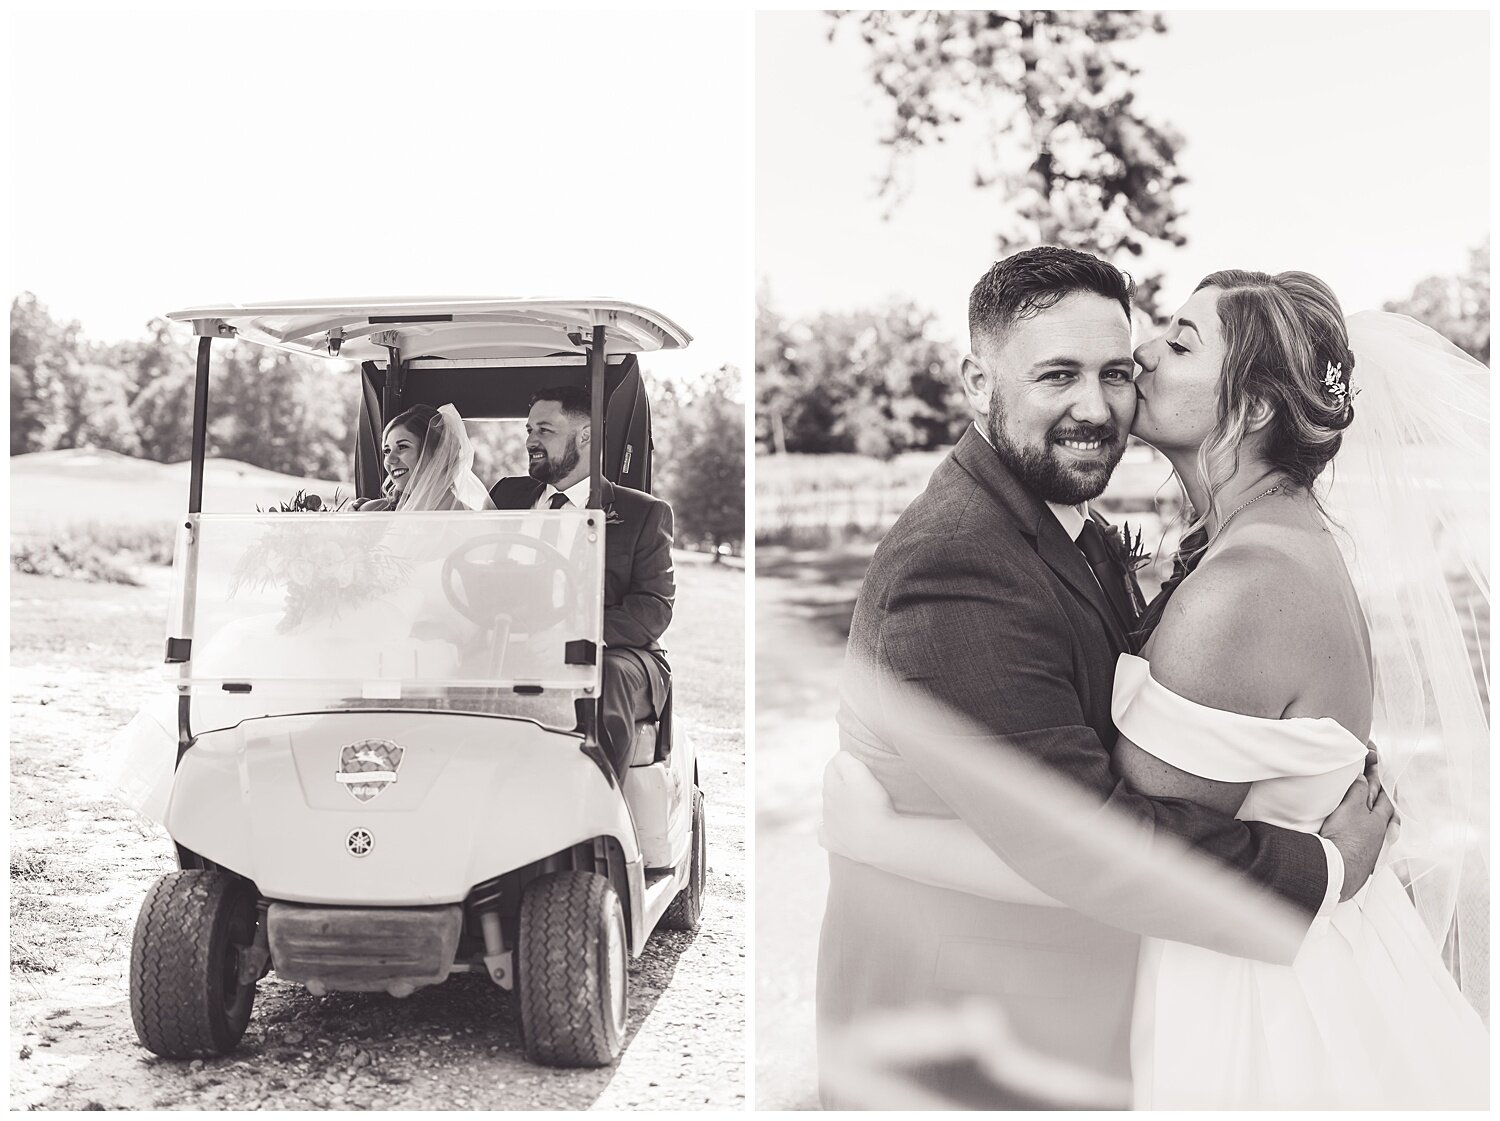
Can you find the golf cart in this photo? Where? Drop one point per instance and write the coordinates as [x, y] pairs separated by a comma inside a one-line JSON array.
[[388, 761]]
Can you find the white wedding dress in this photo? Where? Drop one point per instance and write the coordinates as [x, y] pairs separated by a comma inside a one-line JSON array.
[[1366, 1017]]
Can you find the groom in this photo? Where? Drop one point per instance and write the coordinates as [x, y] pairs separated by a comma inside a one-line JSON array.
[[995, 598], [638, 585]]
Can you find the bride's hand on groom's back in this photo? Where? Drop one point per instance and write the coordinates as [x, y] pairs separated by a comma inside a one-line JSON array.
[[1357, 829], [856, 809], [1372, 773]]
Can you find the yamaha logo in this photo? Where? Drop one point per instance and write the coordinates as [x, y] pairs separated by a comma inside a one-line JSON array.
[[359, 842]]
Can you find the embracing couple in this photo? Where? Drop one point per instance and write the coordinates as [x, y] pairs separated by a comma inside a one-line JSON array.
[[429, 463], [1146, 842]]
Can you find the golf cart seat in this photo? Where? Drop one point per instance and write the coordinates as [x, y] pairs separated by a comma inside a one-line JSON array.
[[653, 738], [643, 750]]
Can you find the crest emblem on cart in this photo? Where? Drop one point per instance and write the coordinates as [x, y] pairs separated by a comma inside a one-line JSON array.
[[368, 767]]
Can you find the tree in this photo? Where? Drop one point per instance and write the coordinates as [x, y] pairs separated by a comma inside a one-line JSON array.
[[162, 353], [90, 409], [1072, 158], [281, 411], [499, 449], [1457, 307], [774, 393], [163, 412], [40, 348], [159, 374], [64, 392], [28, 408], [698, 435], [874, 382]]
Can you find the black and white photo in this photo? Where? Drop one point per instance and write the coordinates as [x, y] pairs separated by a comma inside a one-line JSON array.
[[377, 560], [1122, 560]]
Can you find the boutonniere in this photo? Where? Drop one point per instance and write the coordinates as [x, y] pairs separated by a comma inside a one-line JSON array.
[[612, 518], [1128, 550]]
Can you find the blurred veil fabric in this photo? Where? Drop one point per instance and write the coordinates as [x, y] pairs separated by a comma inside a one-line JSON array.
[[1410, 491], [444, 477]]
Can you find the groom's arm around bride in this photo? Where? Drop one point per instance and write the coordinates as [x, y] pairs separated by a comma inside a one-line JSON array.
[[975, 689]]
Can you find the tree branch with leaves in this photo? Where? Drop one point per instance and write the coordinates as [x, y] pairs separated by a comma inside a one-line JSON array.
[[1073, 159]]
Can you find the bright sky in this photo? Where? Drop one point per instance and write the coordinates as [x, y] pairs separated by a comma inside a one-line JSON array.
[[165, 160], [1354, 145]]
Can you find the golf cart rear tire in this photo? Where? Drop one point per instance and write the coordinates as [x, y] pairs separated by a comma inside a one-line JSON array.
[[686, 908], [185, 995], [573, 999]]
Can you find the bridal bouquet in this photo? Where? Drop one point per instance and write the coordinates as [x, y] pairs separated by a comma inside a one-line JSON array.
[[303, 503], [325, 567]]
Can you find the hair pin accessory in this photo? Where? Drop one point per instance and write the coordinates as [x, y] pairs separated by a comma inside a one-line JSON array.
[[1333, 382]]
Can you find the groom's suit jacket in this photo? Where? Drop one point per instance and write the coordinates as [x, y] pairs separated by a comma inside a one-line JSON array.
[[639, 588], [979, 602]]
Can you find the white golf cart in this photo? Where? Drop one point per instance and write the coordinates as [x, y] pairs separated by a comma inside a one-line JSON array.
[[388, 766]]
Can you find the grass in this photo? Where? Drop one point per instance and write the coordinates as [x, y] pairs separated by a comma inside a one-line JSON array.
[[98, 516], [46, 914], [50, 490], [29, 916], [82, 655], [822, 501], [829, 501], [706, 644], [26, 865]]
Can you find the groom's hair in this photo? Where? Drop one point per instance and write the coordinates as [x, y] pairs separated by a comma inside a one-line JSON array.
[[1033, 280], [574, 399]]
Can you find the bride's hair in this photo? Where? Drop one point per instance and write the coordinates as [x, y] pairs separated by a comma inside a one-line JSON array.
[[1286, 345], [415, 420]]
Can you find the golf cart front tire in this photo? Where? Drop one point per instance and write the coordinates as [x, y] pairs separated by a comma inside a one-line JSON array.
[[571, 970], [185, 994]]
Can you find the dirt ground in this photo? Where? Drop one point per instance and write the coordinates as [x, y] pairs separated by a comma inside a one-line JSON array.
[[803, 602], [83, 656]]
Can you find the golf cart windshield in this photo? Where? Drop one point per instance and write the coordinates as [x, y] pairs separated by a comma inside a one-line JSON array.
[[497, 611], [365, 606]]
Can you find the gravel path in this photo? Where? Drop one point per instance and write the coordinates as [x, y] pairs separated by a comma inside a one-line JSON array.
[[80, 866], [802, 606]]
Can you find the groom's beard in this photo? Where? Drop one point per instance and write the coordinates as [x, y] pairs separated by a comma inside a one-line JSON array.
[[1041, 467], [546, 470]]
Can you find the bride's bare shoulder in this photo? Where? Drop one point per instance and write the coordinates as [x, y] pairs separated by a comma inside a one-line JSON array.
[[1241, 633]]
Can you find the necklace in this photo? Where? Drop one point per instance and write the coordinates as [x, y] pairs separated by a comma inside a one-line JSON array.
[[1277, 489]]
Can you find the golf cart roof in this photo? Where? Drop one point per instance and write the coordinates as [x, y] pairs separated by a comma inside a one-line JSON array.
[[438, 326]]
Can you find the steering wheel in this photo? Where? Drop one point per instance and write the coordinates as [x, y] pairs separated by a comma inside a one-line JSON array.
[[526, 591]]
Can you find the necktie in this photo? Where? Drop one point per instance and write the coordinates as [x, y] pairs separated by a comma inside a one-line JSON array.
[[558, 501], [1107, 570]]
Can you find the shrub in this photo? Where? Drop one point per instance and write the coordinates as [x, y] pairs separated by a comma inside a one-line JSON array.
[[98, 553], [145, 544]]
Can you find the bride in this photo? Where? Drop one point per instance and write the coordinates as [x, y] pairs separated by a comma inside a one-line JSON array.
[[429, 463], [1257, 683]]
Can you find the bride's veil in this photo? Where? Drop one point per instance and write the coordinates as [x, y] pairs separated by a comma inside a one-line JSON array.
[[444, 478], [1410, 489]]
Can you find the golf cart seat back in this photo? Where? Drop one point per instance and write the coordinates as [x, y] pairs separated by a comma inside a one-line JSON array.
[[496, 391]]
